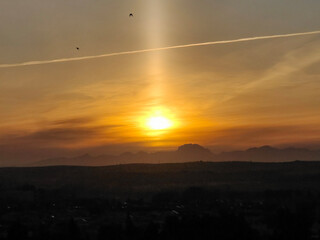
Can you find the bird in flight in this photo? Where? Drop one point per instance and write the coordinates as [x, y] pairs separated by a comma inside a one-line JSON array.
[[131, 15], [77, 48]]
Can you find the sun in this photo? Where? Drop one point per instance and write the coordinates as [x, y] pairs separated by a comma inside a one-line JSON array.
[[159, 123]]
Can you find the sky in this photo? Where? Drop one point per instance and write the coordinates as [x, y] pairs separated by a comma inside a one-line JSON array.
[[225, 97]]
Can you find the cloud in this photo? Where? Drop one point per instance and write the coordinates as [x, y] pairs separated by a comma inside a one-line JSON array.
[[73, 121], [251, 136], [68, 134], [62, 137], [281, 74], [65, 132]]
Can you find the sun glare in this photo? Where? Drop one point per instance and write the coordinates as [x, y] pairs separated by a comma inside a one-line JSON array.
[[159, 123]]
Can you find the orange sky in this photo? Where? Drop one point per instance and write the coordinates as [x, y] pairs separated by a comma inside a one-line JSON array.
[[226, 97]]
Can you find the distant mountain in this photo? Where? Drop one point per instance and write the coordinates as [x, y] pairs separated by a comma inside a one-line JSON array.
[[270, 154], [189, 153], [194, 151], [185, 153]]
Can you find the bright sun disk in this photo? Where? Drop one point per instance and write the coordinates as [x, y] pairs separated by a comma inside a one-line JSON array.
[[159, 123]]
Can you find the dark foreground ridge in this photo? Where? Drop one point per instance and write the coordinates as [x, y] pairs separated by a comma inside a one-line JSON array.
[[187, 201], [147, 177]]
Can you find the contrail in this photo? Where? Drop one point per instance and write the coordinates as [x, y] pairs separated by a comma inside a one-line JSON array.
[[61, 60]]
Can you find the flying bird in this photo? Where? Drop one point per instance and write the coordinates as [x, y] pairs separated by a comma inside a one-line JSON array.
[[131, 15], [77, 48]]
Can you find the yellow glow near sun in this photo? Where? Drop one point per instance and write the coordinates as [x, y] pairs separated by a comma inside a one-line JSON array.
[[159, 123]]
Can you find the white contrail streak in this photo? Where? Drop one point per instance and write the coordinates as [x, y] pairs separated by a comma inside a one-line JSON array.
[[61, 60]]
